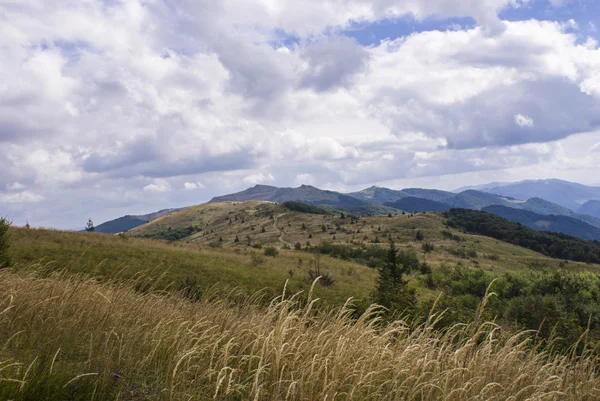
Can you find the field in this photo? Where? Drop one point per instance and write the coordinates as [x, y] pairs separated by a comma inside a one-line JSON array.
[[87, 316], [174, 265], [73, 338]]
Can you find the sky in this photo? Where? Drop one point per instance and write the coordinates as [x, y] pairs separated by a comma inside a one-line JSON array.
[[114, 107]]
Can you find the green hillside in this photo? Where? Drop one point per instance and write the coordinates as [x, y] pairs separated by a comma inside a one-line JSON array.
[[556, 245]]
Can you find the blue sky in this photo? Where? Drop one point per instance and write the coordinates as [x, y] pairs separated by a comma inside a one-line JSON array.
[[585, 13], [130, 106]]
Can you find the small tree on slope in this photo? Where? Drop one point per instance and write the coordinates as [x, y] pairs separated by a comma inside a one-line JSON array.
[[4, 244], [392, 289]]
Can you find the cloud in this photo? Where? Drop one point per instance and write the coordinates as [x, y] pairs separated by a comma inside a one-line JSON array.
[[332, 62], [595, 148], [523, 121], [158, 185], [161, 97], [259, 178], [15, 186], [193, 185], [21, 197]]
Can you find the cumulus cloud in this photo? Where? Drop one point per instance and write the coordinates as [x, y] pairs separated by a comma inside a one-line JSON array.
[[21, 197], [193, 185], [259, 178], [158, 185], [524, 121], [163, 97]]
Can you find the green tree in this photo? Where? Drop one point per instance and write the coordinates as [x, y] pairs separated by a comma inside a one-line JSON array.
[[5, 260], [392, 289], [420, 236], [90, 228]]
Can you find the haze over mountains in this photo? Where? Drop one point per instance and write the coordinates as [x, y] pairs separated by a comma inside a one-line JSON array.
[[541, 205]]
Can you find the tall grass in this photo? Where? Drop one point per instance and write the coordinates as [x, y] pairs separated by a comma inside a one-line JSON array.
[[65, 337]]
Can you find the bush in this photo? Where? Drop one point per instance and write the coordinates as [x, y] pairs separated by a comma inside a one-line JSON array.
[[5, 260], [428, 247], [271, 251]]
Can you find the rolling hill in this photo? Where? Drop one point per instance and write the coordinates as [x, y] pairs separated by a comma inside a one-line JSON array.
[[244, 225]]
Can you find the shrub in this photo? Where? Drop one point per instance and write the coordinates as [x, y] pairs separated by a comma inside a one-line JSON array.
[[271, 251], [428, 247], [5, 260]]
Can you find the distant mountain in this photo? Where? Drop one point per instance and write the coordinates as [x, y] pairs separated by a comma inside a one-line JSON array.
[[378, 200], [378, 195], [591, 208], [563, 224], [417, 205], [564, 193], [430, 194], [129, 222], [304, 194], [477, 200]]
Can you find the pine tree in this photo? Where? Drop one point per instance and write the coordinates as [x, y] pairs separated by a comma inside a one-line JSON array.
[[392, 289]]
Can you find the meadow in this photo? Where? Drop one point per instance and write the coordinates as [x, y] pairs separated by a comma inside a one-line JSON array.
[[67, 337]]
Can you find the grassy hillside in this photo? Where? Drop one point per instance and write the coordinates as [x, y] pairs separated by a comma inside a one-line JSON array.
[[270, 224], [70, 338], [178, 265]]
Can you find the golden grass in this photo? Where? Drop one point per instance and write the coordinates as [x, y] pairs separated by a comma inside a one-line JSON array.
[[248, 270], [66, 337]]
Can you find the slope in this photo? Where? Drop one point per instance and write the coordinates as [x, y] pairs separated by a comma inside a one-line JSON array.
[[263, 224]]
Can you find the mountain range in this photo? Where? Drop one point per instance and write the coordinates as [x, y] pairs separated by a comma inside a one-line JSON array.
[[551, 205], [564, 193]]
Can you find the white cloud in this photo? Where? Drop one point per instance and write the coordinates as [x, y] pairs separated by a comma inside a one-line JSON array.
[[193, 185], [158, 185], [258, 178], [15, 186], [595, 148], [524, 121], [149, 100], [21, 197]]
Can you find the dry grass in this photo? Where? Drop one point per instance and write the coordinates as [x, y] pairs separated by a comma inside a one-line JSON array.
[[65, 337]]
